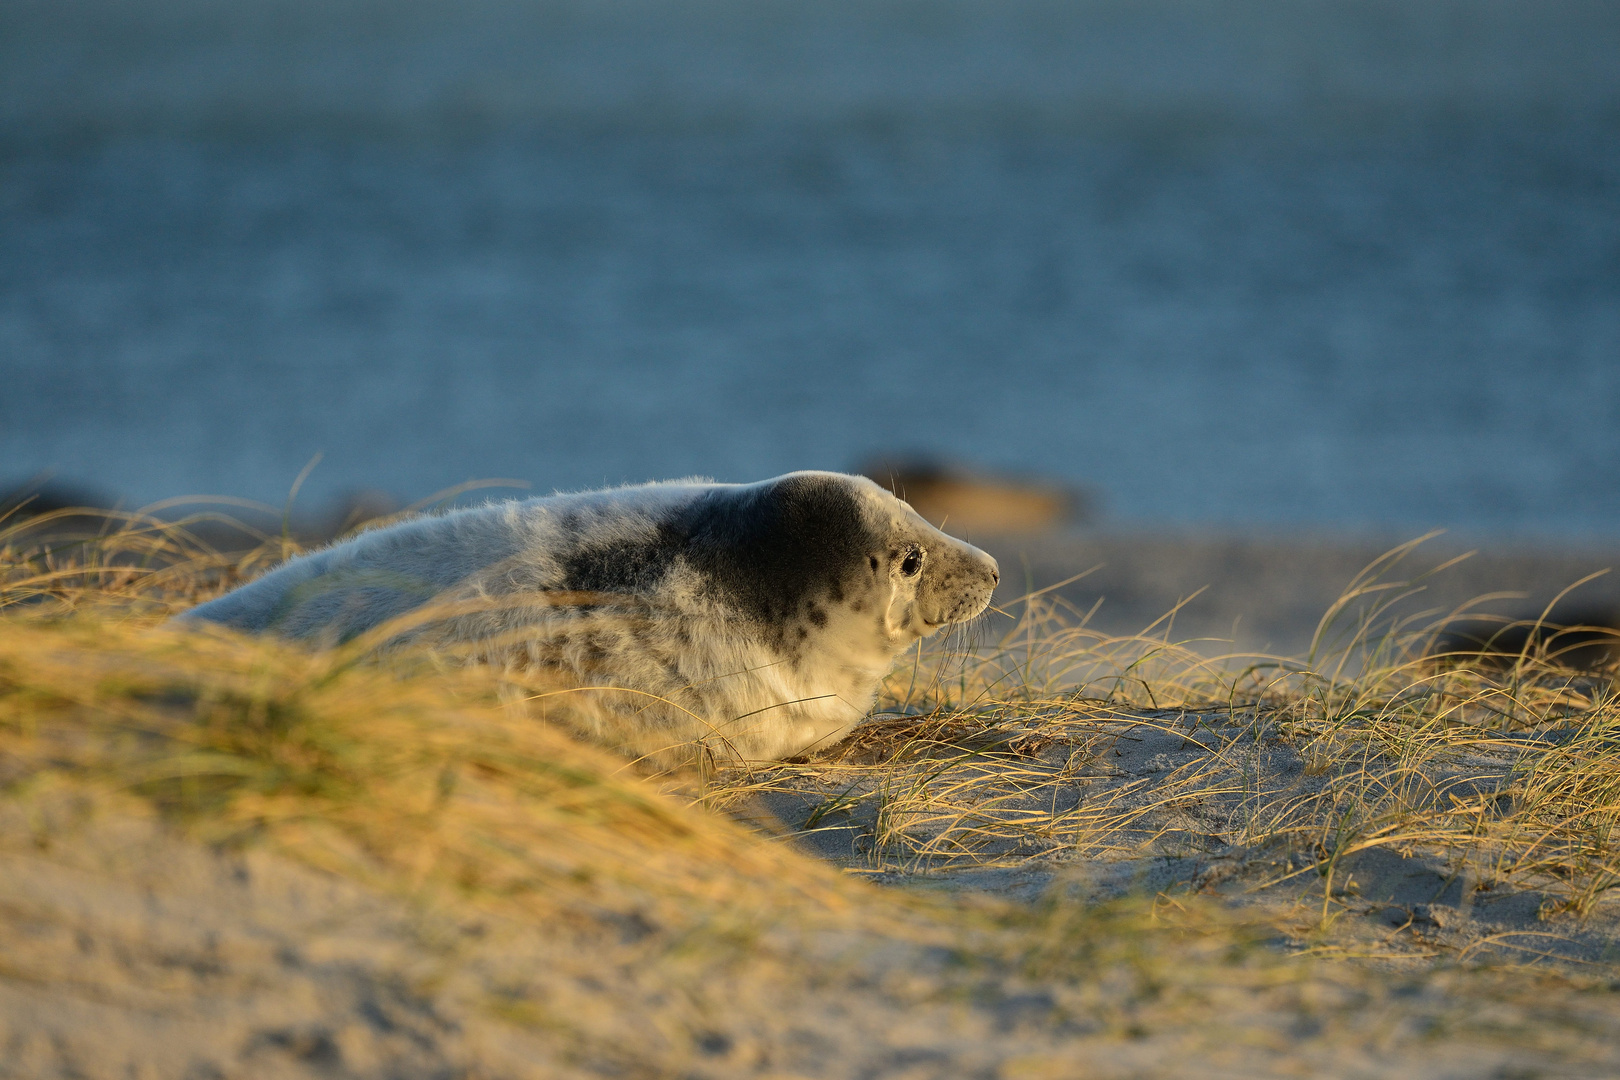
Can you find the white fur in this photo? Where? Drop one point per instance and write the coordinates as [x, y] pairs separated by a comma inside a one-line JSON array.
[[694, 661]]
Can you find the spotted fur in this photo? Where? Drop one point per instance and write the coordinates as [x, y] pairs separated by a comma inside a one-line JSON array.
[[754, 619]]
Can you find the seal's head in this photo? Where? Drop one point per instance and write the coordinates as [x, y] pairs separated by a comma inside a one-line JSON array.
[[834, 567]]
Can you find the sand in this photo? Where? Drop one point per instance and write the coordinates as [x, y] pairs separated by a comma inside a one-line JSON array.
[[132, 951], [1185, 780]]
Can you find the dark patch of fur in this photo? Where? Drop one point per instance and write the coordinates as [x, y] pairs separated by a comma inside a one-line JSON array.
[[766, 549], [769, 551], [625, 566]]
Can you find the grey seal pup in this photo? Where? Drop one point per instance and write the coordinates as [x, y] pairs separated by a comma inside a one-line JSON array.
[[755, 621]]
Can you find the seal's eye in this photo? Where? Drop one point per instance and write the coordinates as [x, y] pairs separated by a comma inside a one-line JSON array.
[[912, 563]]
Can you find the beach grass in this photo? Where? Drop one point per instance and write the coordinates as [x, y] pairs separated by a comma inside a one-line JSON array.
[[963, 761], [688, 922]]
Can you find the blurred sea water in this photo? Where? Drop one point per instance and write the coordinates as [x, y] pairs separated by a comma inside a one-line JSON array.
[[1348, 265]]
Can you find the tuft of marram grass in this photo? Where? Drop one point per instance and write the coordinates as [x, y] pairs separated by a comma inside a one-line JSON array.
[[971, 737]]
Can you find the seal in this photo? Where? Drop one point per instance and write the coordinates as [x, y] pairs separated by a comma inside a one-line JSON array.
[[745, 621]]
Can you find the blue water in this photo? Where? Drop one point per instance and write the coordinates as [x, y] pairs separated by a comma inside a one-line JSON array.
[[1331, 265]]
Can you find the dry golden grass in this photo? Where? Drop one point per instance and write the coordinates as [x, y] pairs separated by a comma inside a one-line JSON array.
[[419, 779], [414, 770], [966, 761]]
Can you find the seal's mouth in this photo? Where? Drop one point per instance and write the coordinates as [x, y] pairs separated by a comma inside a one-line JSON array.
[[959, 593], [961, 615]]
